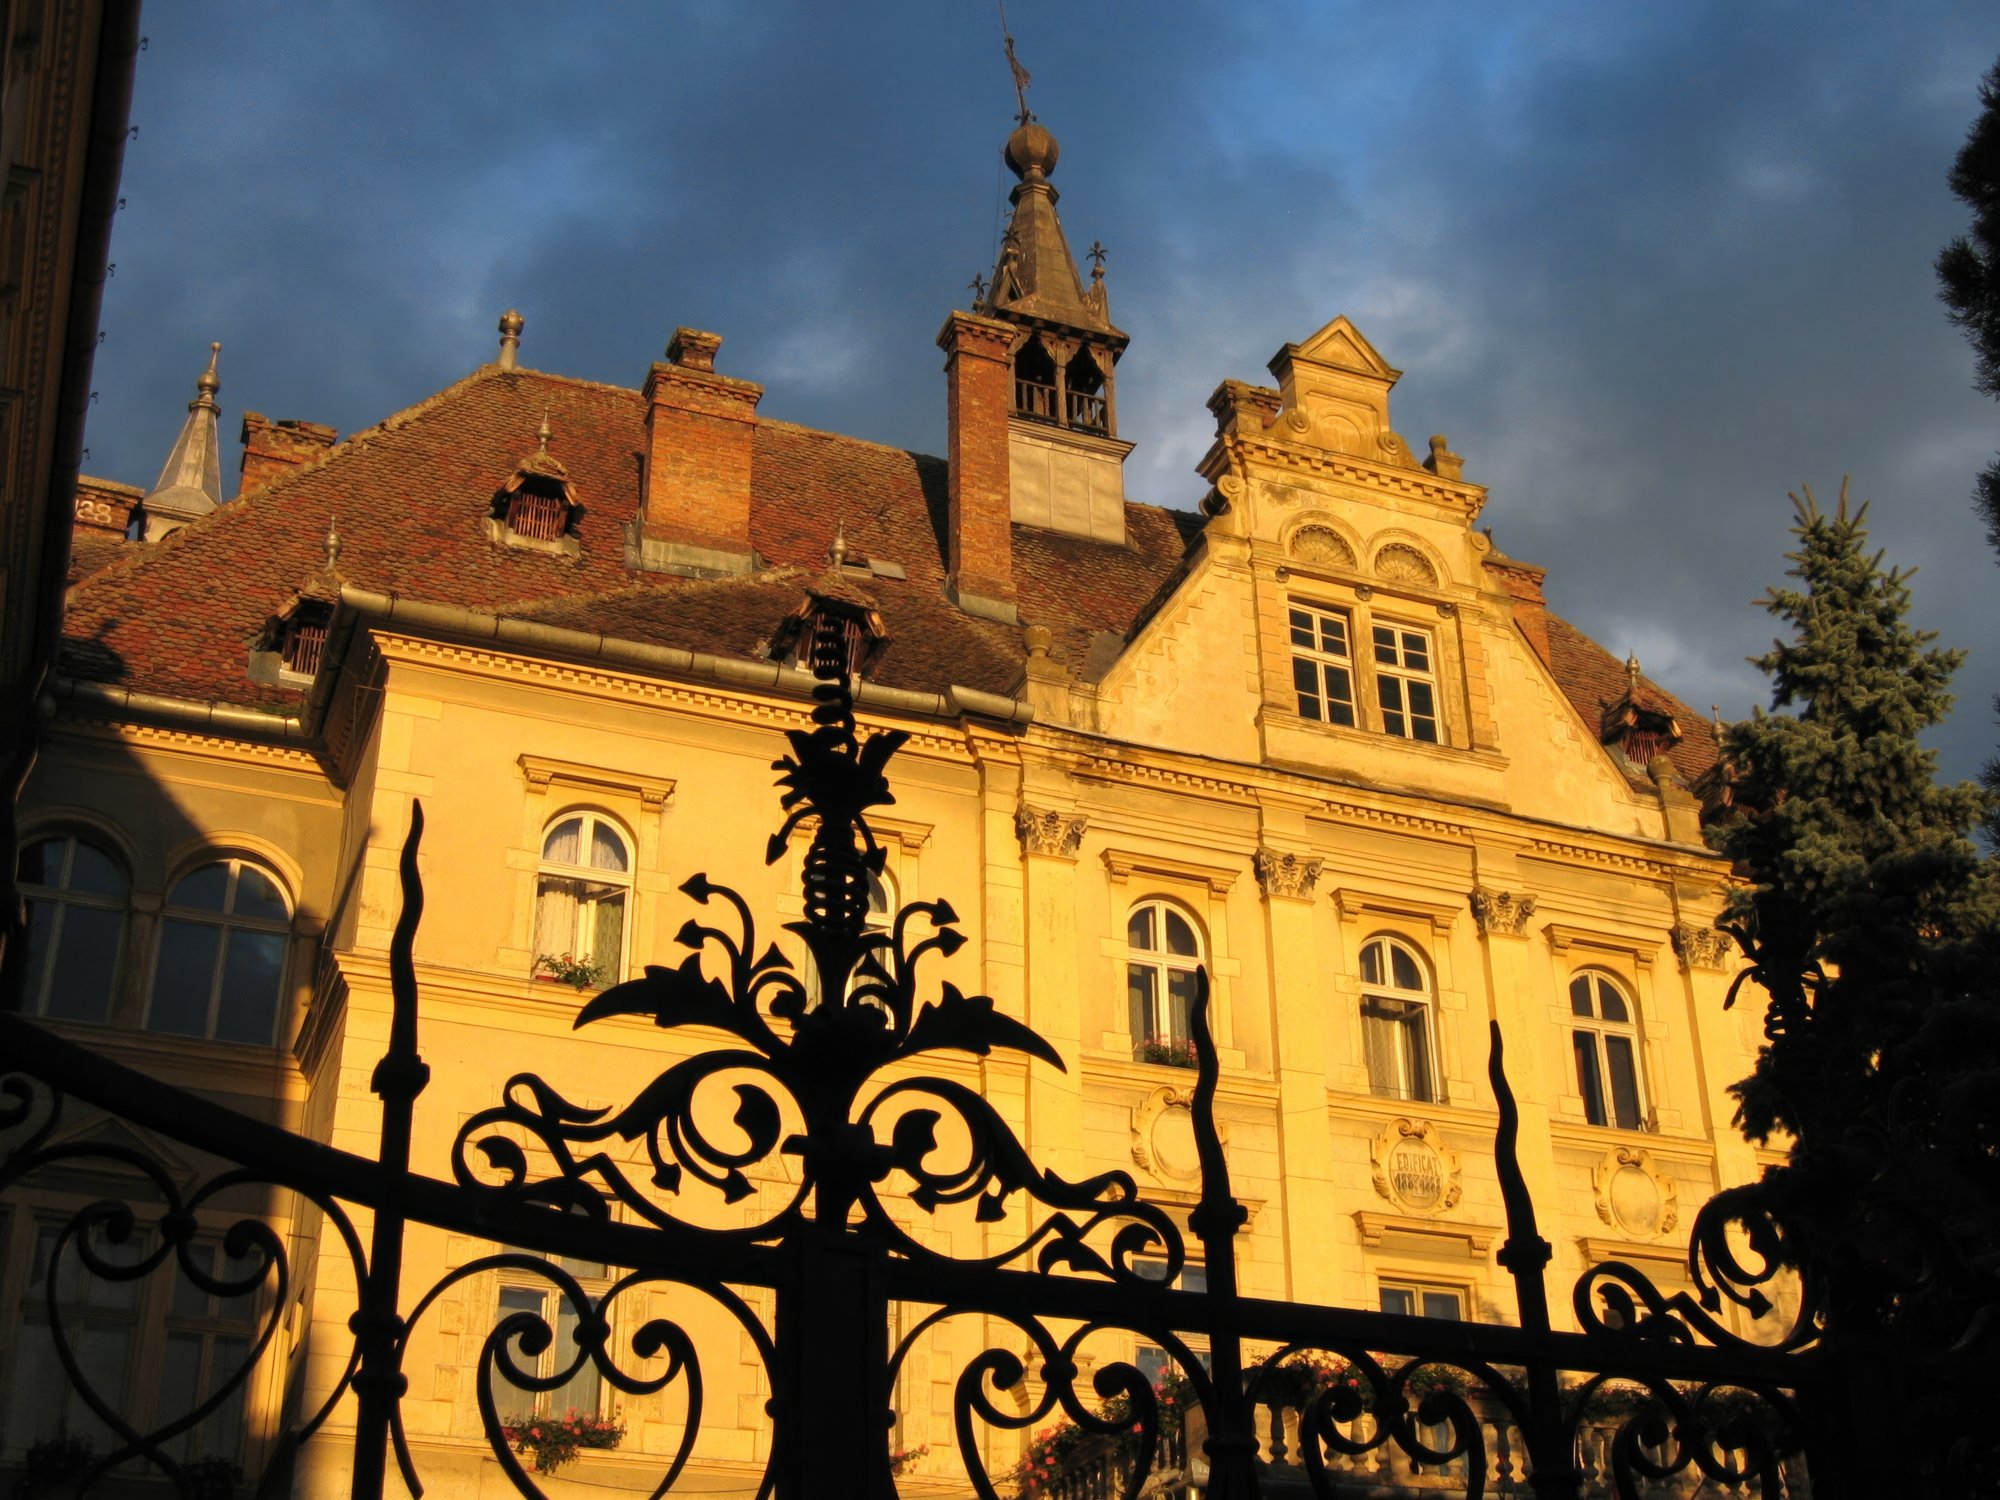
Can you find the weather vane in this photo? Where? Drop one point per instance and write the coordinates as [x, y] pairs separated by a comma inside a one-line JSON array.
[[1021, 77]]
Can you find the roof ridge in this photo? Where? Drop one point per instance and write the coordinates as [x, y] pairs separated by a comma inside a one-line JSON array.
[[252, 501]]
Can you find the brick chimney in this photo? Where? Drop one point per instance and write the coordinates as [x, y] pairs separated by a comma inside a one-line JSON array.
[[979, 560], [701, 427], [274, 448], [104, 507]]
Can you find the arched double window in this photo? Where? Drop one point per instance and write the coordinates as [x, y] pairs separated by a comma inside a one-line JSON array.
[[76, 896], [582, 897], [220, 968], [1605, 1043], [1163, 953], [1397, 1024]]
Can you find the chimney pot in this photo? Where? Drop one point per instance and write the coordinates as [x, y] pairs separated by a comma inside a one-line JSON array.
[[692, 349], [979, 377]]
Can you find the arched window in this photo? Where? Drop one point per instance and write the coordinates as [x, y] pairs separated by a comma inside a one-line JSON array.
[[1396, 1021], [580, 900], [1163, 951], [220, 968], [881, 917], [1606, 1046], [76, 895]]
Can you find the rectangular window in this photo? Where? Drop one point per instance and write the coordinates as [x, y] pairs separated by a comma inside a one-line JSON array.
[[583, 1391], [1395, 1034], [1414, 1300], [1153, 1361], [99, 1314], [1405, 683], [1322, 664]]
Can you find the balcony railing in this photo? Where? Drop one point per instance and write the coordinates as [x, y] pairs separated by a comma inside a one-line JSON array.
[[1086, 411], [1033, 399]]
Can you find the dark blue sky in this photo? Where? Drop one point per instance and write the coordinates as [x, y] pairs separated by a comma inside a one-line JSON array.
[[1649, 267]]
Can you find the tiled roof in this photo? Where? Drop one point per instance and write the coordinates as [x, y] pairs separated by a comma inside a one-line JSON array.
[[412, 497], [90, 551], [1592, 678]]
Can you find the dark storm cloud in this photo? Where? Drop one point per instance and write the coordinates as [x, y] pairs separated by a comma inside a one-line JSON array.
[[1648, 267]]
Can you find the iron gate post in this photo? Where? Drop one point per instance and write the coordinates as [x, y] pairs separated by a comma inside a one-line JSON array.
[[829, 1407]]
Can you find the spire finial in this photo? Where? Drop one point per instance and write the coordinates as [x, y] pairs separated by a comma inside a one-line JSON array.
[[1715, 719], [977, 286], [1021, 76], [511, 324], [209, 382], [837, 554], [1097, 252], [1632, 672], [332, 541], [544, 435]]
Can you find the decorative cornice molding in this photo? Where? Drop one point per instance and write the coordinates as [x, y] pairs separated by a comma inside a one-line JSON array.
[[1352, 904], [1121, 864], [1047, 831], [1282, 874], [1703, 947], [1501, 912], [541, 773], [1562, 937]]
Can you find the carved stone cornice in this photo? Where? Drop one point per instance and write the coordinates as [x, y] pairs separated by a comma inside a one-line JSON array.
[[1501, 911], [1703, 947], [1047, 831], [1282, 874]]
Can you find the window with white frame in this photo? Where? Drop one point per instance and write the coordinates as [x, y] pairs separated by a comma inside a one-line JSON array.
[[76, 897], [1406, 682], [1605, 1044], [1414, 1299], [1396, 1021], [1322, 663], [1163, 953], [219, 970], [582, 897], [583, 1391]]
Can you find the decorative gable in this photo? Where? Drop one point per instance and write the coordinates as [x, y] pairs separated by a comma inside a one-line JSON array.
[[1638, 728]]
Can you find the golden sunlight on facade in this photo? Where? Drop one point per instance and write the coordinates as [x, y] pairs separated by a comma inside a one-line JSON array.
[[1315, 734]]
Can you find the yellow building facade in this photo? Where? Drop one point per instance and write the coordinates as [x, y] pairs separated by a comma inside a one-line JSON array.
[[1317, 736]]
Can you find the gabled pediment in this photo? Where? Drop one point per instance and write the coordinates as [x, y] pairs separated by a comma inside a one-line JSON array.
[[1338, 346]]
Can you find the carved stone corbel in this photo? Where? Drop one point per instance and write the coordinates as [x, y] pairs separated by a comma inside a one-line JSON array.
[[1046, 831], [1501, 911], [1282, 874]]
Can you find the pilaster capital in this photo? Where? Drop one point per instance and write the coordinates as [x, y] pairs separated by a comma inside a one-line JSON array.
[[1700, 947], [1502, 912], [1047, 831], [1283, 874]]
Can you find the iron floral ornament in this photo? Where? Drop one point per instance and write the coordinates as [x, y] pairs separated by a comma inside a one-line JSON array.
[[818, 1061]]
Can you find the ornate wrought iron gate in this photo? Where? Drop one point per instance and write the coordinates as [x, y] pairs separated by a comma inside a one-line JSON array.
[[1073, 1258]]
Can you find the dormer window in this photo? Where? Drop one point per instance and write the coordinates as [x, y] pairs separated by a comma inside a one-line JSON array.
[[537, 507], [289, 648], [1638, 729], [857, 626], [304, 637]]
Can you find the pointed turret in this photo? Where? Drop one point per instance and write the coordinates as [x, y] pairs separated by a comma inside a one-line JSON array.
[[1065, 463], [1036, 277], [190, 486]]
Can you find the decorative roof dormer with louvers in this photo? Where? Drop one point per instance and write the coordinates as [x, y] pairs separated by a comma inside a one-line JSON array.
[[537, 507], [1066, 462]]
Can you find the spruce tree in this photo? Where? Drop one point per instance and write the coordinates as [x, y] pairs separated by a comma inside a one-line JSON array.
[[1968, 272], [1870, 916]]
